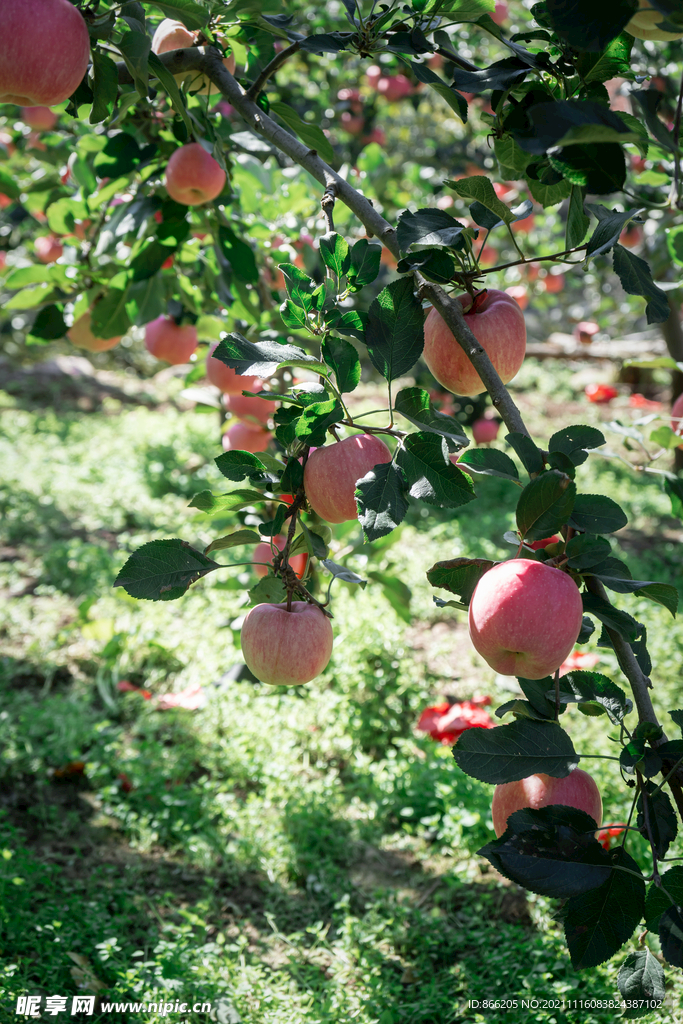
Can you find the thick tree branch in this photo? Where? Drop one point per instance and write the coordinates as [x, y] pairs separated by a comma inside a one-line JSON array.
[[278, 60]]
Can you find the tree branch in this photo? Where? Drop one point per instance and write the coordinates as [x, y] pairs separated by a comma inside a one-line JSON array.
[[278, 60]]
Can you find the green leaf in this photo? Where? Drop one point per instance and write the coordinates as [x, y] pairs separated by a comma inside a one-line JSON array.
[[62, 215], [49, 324], [293, 316], [396, 592], [581, 687], [480, 188], [299, 285], [657, 901], [613, 62], [193, 15], [661, 818], [459, 576], [239, 254], [671, 936], [434, 264], [335, 253], [236, 465], [162, 570], [22, 276], [149, 260], [585, 25], [352, 322], [29, 298], [381, 500], [610, 225], [431, 475], [597, 167], [455, 101], [515, 751], [105, 85], [599, 922], [269, 590], [233, 540], [146, 300], [394, 334], [311, 134], [135, 49], [621, 622], [674, 488], [549, 194], [641, 982], [511, 157], [342, 358], [596, 513], [365, 261], [429, 227], [108, 316], [573, 442], [261, 358], [665, 437], [529, 455], [545, 505], [233, 501], [585, 550], [577, 221], [166, 79], [415, 405], [636, 279], [674, 243], [311, 426]]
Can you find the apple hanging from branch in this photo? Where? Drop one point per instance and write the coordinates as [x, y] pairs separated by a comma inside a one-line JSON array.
[[287, 648], [578, 789], [331, 474]]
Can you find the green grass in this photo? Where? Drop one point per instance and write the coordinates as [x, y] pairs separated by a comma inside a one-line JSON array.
[[298, 855]]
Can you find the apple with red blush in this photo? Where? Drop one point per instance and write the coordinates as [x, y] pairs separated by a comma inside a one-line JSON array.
[[578, 789], [585, 331], [48, 248], [42, 119], [677, 417], [224, 378], [485, 430], [331, 474], [263, 553], [81, 335], [287, 647], [242, 437], [193, 176], [255, 411], [168, 340]]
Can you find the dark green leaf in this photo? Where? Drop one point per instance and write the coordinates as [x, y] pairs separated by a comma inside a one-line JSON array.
[[334, 250], [657, 900], [588, 26], [641, 982], [109, 317], [435, 264], [584, 686], [381, 500], [311, 134], [516, 751], [502, 75], [269, 590], [671, 936], [636, 279], [314, 542], [170, 86], [677, 717], [343, 359], [163, 570], [49, 324], [293, 316], [233, 540], [660, 815], [193, 15], [674, 488], [596, 513], [105, 85], [261, 358], [649, 101], [585, 550], [529, 455], [365, 260], [311, 427], [480, 188], [217, 504], [149, 260], [490, 462], [454, 100], [577, 221], [239, 254], [431, 475], [135, 48], [415, 405], [545, 505], [573, 442], [610, 225], [523, 709], [146, 300], [328, 42], [597, 167], [621, 622], [459, 575], [236, 465], [429, 227], [599, 922], [394, 334]]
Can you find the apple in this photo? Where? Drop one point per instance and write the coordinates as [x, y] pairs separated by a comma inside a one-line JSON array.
[[484, 430], [600, 393], [545, 542], [173, 35], [244, 438], [48, 248], [553, 283], [167, 340], [584, 331], [263, 553], [525, 617], [82, 336], [46, 51], [445, 202], [286, 648], [5, 201], [520, 294], [40, 118], [373, 75], [578, 789], [522, 227], [605, 835], [501, 13], [3, 259], [352, 123], [497, 323], [677, 417], [7, 142], [631, 236], [192, 176], [331, 473], [254, 411], [644, 24], [394, 87], [230, 382]]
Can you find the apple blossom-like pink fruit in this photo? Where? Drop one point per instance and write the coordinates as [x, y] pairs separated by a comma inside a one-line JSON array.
[[41, 118], [497, 323], [81, 335], [287, 648], [578, 789], [244, 438], [45, 53], [524, 618], [193, 176], [167, 340], [331, 474]]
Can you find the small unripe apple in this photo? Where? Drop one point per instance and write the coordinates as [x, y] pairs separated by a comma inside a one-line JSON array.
[[286, 648], [497, 323], [40, 118], [244, 438], [256, 411], [167, 340], [48, 248], [578, 789], [677, 417], [229, 381], [644, 24], [485, 430], [331, 474], [263, 553], [82, 336], [45, 52], [192, 176], [524, 618]]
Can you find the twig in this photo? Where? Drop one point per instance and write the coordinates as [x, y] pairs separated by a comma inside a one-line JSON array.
[[327, 202], [278, 60], [535, 259]]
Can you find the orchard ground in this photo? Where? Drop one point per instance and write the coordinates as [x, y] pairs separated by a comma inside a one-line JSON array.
[[299, 854]]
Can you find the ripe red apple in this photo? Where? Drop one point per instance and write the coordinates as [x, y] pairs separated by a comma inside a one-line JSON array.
[[536, 545], [525, 617], [3, 259], [221, 376], [167, 340], [484, 430], [254, 411], [192, 176], [45, 54], [523, 227], [331, 473], [501, 13], [631, 236], [585, 330], [40, 118], [173, 35], [677, 417], [395, 87], [82, 336], [520, 294], [244, 438], [578, 789], [5, 201], [553, 283], [263, 553], [497, 323], [48, 248], [286, 648]]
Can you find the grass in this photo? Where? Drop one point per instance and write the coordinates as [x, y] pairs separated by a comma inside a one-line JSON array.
[[287, 856]]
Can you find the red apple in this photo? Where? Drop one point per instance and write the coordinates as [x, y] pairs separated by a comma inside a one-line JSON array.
[[553, 283], [497, 323], [3, 259], [519, 294], [525, 617], [5, 201], [45, 54], [536, 545], [167, 340], [394, 87], [331, 473], [501, 13], [578, 789], [286, 648], [522, 227], [585, 330], [48, 248], [40, 118], [631, 236], [221, 376], [445, 202], [677, 417], [82, 336], [352, 123], [605, 835], [244, 438], [173, 35], [484, 430], [263, 553], [192, 176], [600, 393], [255, 411]]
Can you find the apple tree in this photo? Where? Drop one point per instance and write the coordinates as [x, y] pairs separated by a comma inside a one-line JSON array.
[[140, 181]]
